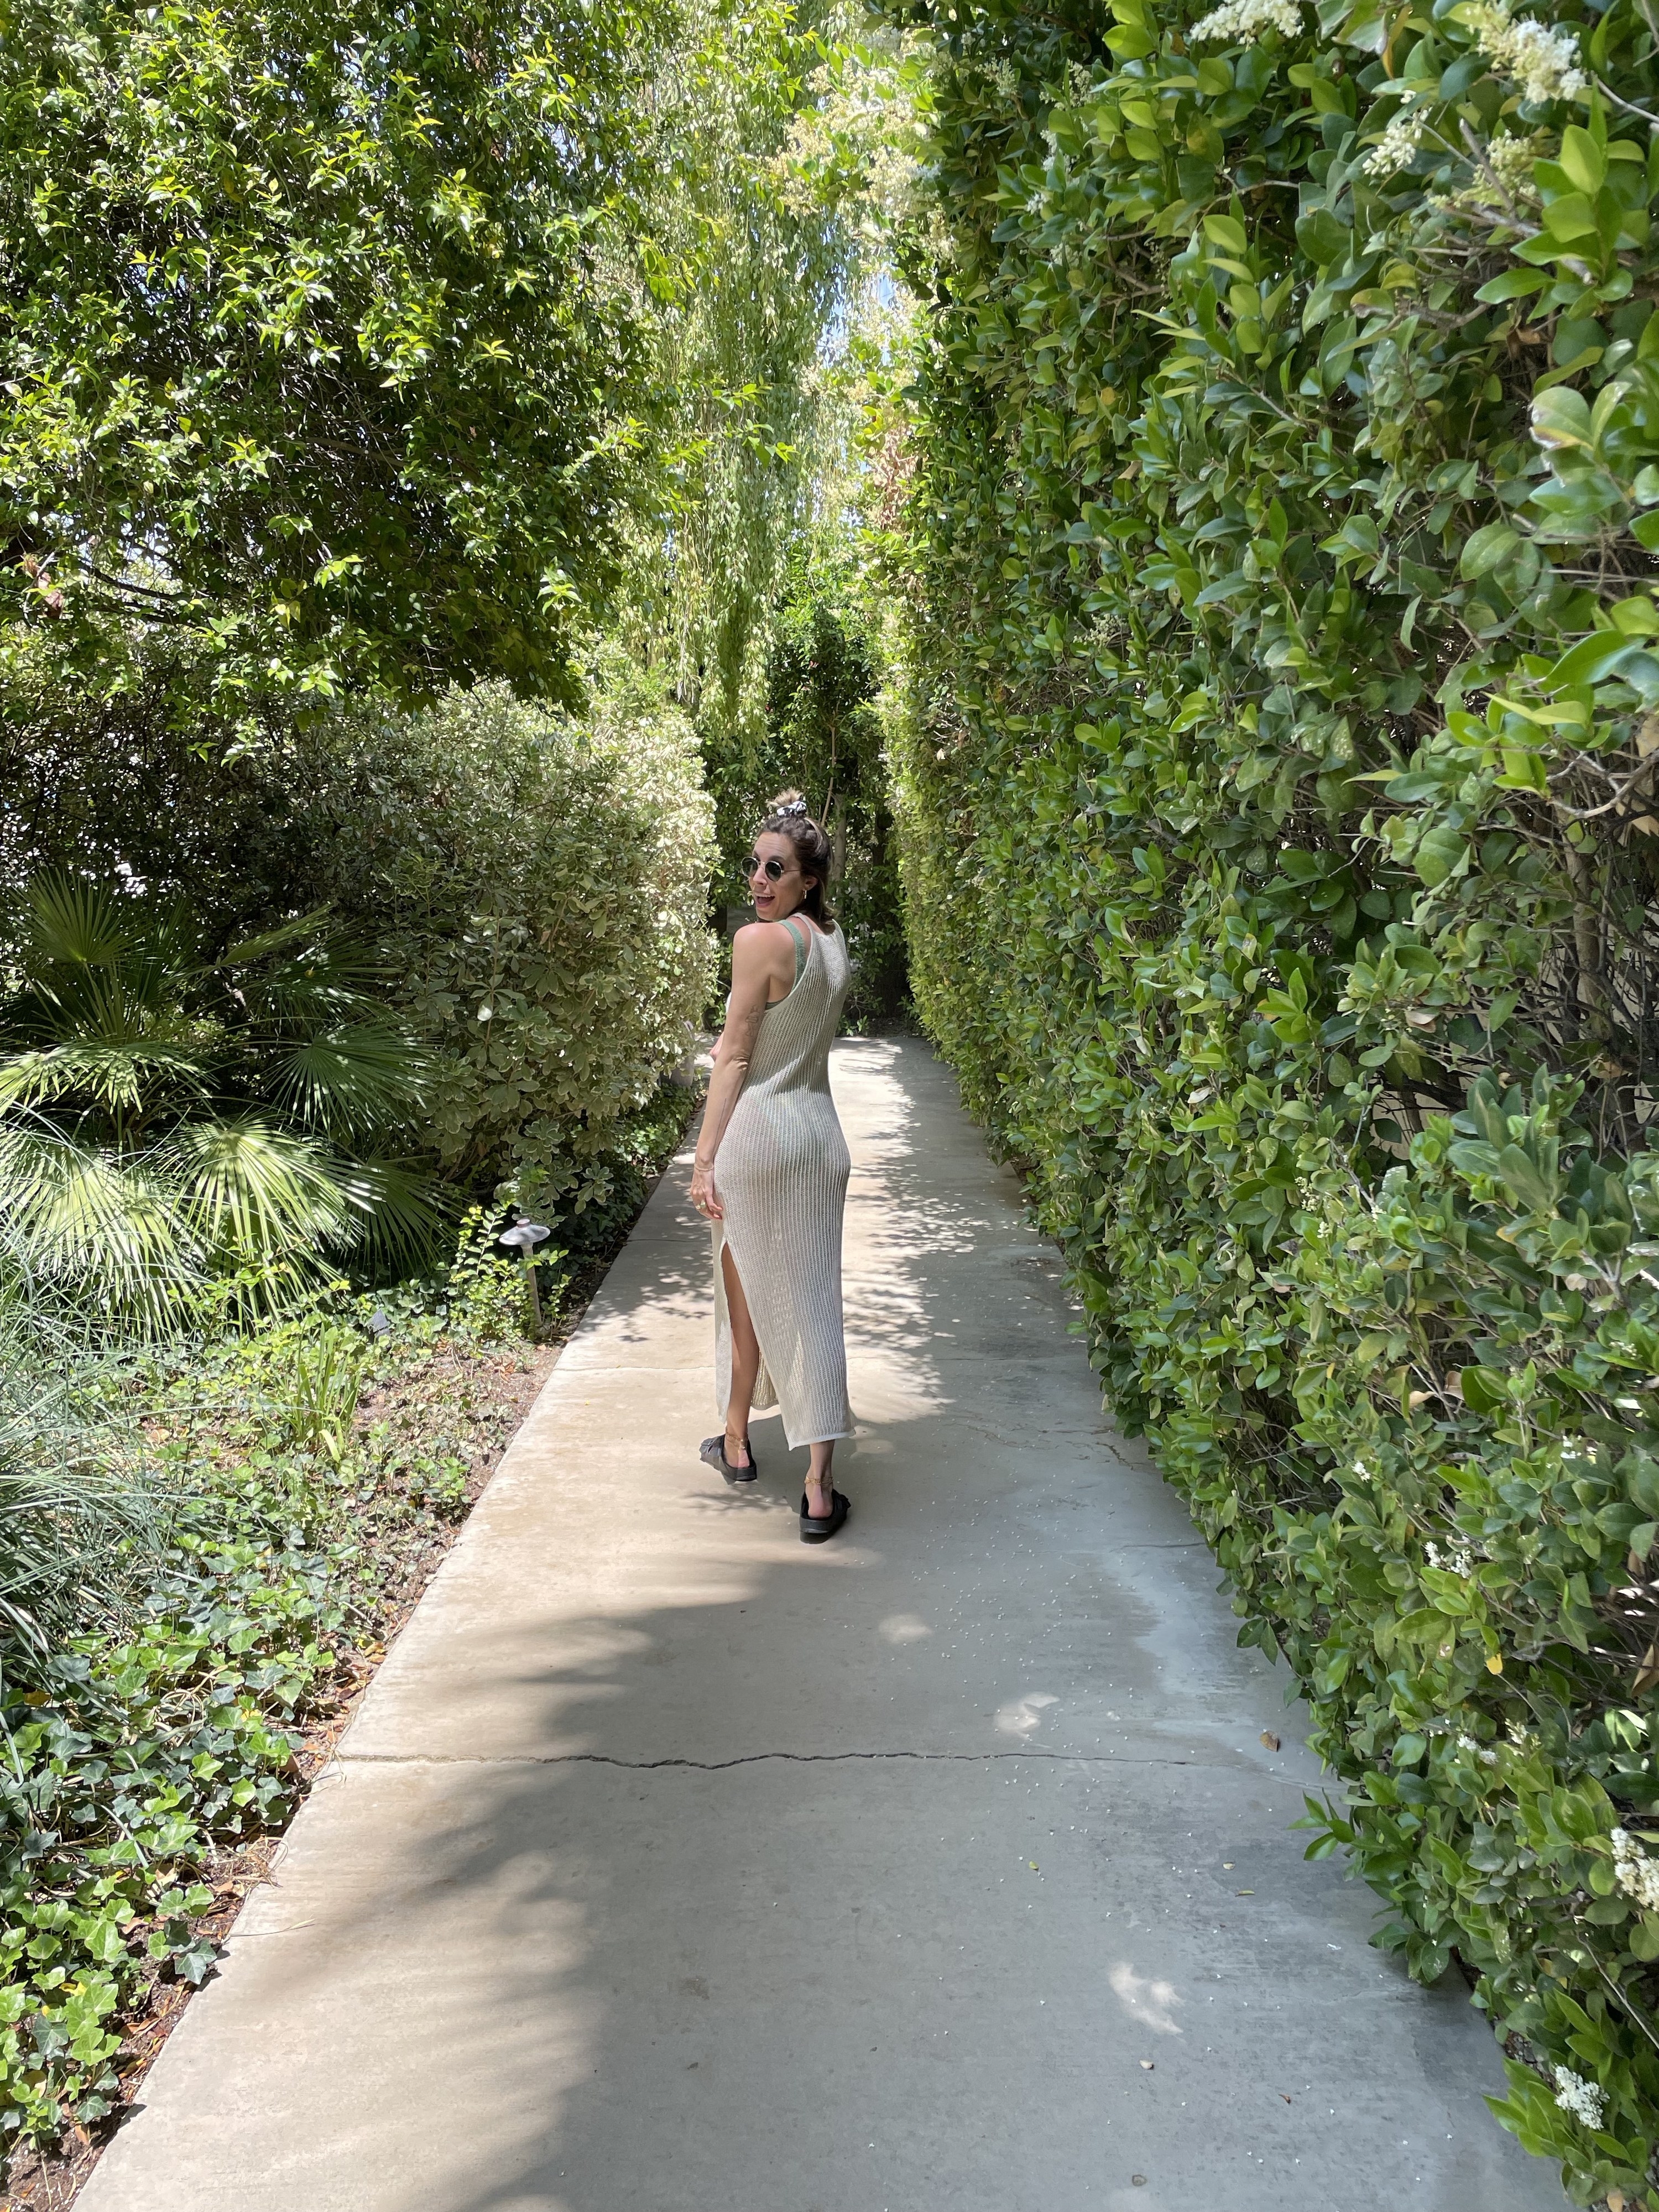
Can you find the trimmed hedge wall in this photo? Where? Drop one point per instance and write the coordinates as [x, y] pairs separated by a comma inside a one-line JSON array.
[[1280, 879]]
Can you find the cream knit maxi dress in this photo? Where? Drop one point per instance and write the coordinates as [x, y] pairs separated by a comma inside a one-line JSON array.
[[781, 1177]]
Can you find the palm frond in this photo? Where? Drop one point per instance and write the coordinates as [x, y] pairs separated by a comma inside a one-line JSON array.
[[333, 982], [82, 1222], [350, 1080], [254, 1191], [401, 1214], [117, 1077], [168, 1116], [281, 939], [93, 983], [76, 923]]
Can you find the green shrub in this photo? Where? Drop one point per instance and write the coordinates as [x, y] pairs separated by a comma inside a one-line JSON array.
[[484, 1294], [495, 858], [1280, 879], [536, 887], [80, 1512]]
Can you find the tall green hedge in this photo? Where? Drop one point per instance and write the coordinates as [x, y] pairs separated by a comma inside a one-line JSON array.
[[1283, 704]]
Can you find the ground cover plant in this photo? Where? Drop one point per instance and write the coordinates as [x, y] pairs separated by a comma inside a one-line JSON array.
[[300, 1478], [1281, 862]]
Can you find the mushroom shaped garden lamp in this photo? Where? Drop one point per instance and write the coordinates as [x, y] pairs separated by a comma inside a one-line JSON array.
[[523, 1237]]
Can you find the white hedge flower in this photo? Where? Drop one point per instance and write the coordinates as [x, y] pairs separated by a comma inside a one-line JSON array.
[[1453, 1562], [1503, 179], [1584, 2099], [1472, 1743], [1511, 161], [1238, 20], [1543, 62], [1396, 146], [1635, 1871]]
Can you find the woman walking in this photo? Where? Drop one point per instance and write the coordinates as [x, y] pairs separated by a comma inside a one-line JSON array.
[[771, 1169]]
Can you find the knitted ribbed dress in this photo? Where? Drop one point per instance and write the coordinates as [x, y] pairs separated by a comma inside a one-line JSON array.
[[780, 1176]]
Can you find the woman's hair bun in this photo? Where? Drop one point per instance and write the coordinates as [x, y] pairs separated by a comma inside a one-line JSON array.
[[786, 817]]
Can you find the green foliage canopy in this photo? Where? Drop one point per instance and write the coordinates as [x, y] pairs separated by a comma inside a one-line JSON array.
[[825, 736], [757, 272], [1281, 880], [325, 334]]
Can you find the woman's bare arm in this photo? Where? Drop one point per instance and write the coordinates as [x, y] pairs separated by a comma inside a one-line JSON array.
[[757, 956]]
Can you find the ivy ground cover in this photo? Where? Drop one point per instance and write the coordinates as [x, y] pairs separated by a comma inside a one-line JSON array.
[[307, 1474], [1280, 845]]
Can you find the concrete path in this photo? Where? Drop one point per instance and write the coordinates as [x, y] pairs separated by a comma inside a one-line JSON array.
[[672, 1867]]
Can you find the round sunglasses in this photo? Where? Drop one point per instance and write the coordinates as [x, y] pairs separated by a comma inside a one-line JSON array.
[[754, 865]]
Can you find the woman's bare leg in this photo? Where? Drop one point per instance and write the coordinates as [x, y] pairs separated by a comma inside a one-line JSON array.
[[745, 1371], [745, 1364], [820, 1488]]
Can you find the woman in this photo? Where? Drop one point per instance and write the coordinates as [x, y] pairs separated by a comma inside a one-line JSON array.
[[771, 1169]]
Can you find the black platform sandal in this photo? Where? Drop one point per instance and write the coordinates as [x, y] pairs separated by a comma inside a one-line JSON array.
[[818, 1528], [713, 1453]]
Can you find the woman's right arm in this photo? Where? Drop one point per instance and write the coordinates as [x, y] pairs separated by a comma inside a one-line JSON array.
[[754, 966]]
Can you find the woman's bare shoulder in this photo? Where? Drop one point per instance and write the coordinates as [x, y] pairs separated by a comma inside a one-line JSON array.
[[761, 936], [761, 948]]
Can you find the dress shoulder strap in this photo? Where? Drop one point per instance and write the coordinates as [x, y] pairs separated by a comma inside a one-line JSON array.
[[796, 931]]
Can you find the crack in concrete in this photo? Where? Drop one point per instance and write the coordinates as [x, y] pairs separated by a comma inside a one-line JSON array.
[[789, 1757], [1167, 1544]]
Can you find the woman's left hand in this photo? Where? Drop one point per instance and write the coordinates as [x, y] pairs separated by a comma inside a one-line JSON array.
[[703, 1194]]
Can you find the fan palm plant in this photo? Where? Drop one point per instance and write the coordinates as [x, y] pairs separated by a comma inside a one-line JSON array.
[[171, 1111]]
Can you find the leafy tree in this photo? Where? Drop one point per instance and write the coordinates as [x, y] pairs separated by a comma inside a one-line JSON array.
[[760, 277], [823, 734], [324, 334]]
